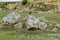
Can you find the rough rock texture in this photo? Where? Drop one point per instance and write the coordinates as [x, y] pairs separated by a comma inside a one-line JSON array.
[[12, 18], [42, 25], [31, 21]]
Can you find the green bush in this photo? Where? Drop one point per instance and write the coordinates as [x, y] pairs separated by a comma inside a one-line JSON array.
[[24, 2]]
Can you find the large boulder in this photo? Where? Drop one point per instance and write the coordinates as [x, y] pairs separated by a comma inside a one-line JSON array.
[[12, 18], [31, 22]]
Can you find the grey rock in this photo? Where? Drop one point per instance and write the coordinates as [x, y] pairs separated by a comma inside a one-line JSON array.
[[31, 21], [19, 25], [42, 25], [12, 18]]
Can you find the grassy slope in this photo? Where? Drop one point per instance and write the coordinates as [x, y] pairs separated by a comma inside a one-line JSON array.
[[18, 35]]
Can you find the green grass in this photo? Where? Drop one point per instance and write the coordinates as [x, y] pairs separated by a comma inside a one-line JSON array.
[[39, 35], [18, 35]]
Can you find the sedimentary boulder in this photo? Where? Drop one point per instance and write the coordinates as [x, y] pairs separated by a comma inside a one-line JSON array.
[[31, 22], [12, 18]]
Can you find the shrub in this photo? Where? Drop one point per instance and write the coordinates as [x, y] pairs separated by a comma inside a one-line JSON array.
[[24, 2]]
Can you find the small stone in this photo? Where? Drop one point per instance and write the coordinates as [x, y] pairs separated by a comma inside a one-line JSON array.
[[10, 20], [54, 29], [18, 25], [42, 25]]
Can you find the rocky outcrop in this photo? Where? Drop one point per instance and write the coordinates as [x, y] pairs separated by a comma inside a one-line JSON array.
[[30, 23]]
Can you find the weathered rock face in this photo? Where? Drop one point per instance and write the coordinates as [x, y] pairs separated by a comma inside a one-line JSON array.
[[31, 21], [12, 18]]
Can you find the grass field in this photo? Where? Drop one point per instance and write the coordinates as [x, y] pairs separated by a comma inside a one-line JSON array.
[[39, 35]]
